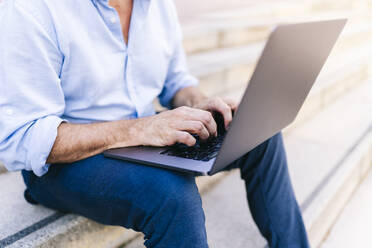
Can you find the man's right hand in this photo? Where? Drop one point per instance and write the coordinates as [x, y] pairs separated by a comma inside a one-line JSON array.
[[177, 125]]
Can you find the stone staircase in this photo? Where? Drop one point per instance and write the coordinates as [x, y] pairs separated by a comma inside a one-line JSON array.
[[352, 226], [329, 145]]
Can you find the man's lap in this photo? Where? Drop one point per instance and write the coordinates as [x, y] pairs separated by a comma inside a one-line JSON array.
[[100, 180]]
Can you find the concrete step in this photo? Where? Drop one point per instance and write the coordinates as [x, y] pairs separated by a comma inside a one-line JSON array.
[[208, 34], [190, 10], [274, 9], [328, 157], [25, 225], [352, 228], [355, 33], [267, 9]]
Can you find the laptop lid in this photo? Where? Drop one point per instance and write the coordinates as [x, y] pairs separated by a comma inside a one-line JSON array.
[[289, 65]]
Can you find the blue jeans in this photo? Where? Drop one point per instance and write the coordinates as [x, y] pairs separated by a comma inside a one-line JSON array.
[[166, 205]]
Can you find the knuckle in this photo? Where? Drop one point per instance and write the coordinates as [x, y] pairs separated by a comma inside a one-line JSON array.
[[199, 126], [182, 111], [178, 137], [207, 117], [184, 136], [226, 107], [184, 108], [226, 112], [169, 139], [175, 112], [173, 124], [191, 140], [178, 111]]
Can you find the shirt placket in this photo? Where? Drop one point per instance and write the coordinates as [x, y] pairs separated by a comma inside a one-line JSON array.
[[139, 14], [112, 21]]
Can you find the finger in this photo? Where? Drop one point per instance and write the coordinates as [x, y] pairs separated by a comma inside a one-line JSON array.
[[203, 116], [195, 127], [223, 108], [184, 138], [232, 103]]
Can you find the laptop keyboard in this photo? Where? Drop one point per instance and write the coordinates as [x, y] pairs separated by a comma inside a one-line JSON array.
[[202, 150]]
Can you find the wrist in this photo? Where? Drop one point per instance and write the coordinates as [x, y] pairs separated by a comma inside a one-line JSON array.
[[137, 131], [126, 133]]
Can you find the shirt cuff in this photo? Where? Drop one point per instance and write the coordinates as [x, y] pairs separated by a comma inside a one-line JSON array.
[[42, 138], [167, 96]]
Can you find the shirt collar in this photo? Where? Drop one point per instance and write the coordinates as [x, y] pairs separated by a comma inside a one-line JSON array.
[[144, 4]]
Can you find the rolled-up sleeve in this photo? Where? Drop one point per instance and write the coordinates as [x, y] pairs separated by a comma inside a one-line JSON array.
[[31, 97], [178, 76]]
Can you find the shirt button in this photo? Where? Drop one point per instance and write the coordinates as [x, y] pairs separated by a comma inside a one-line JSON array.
[[113, 19], [9, 111]]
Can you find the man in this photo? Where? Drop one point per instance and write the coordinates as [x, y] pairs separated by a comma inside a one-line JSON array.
[[79, 77]]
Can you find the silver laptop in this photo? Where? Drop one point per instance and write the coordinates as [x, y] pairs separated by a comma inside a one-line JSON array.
[[289, 65]]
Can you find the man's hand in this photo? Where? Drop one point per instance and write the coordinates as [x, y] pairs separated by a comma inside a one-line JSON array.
[[225, 107], [193, 97], [170, 127]]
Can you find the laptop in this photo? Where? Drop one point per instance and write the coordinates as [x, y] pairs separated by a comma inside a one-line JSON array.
[[287, 69]]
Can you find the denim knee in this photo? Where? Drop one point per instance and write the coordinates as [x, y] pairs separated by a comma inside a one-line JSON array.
[[176, 218]]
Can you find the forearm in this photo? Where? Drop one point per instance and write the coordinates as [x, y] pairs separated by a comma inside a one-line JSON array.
[[78, 141], [188, 96]]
